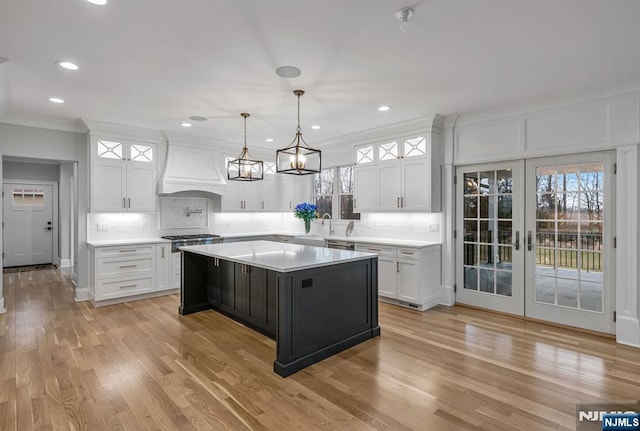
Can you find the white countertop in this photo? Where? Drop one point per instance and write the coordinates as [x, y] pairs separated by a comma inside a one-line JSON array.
[[277, 256], [130, 241]]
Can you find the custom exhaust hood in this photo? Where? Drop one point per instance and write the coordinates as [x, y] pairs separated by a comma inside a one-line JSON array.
[[192, 168]]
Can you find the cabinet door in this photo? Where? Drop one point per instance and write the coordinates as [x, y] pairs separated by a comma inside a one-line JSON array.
[[365, 188], [227, 284], [213, 281], [141, 187], [294, 190], [389, 185], [409, 279], [241, 291], [108, 185], [257, 307], [269, 193], [251, 195], [176, 270], [163, 267], [416, 180], [387, 277], [232, 199]]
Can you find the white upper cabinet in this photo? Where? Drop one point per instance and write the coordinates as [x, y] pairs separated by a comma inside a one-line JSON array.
[[123, 175], [252, 195], [401, 174], [294, 189]]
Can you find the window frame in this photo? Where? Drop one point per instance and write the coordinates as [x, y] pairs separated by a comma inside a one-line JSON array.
[[336, 196]]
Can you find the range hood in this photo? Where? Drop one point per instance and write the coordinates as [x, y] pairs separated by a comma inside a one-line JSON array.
[[192, 168]]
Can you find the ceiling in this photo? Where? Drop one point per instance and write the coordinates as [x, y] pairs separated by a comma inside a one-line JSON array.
[[154, 63]]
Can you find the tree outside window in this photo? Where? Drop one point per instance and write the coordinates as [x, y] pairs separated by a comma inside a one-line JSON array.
[[325, 191]]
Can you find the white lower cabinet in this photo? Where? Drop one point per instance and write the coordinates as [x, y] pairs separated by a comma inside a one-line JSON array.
[[164, 267], [407, 276], [176, 270], [128, 270]]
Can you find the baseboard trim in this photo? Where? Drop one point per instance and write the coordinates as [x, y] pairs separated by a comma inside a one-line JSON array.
[[82, 294], [628, 331], [134, 297], [448, 295], [65, 263], [2, 309]]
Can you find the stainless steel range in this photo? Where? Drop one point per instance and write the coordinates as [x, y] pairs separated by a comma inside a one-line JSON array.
[[196, 239]]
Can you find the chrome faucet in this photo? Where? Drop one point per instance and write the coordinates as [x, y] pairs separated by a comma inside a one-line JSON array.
[[331, 231]]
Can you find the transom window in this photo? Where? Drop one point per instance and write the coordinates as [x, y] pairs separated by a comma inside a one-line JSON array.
[[141, 153], [388, 151], [269, 168], [415, 147], [109, 150], [364, 155]]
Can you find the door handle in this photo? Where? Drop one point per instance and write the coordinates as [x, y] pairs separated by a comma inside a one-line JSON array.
[[516, 245], [529, 241]]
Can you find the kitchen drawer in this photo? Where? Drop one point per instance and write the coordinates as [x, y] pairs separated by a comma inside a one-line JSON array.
[[408, 253], [109, 289], [125, 251], [381, 250], [107, 268]]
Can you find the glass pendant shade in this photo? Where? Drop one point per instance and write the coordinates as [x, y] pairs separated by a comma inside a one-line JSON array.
[[245, 167], [298, 158]]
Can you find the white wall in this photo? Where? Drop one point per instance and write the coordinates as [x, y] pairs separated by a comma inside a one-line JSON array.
[[607, 119], [12, 170], [31, 142]]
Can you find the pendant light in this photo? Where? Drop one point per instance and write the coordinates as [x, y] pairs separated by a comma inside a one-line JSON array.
[[298, 158], [245, 167]]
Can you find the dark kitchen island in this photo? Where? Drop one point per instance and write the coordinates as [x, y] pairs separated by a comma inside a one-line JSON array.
[[315, 302]]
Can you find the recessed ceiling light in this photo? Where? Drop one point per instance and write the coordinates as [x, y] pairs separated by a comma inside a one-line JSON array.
[[56, 100], [384, 108], [185, 124], [315, 127], [288, 72], [269, 139], [98, 2], [67, 65], [198, 118]]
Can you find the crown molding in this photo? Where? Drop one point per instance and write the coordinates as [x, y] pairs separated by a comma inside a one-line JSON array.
[[96, 127], [434, 123], [73, 126]]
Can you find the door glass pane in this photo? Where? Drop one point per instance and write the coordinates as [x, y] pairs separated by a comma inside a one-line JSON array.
[[141, 153], [109, 150], [388, 151], [415, 147], [569, 235], [488, 223]]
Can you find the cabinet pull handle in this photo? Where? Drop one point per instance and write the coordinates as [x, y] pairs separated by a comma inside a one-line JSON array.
[[374, 249], [402, 202], [262, 204], [129, 202], [397, 202], [354, 203], [131, 250], [163, 252], [397, 266], [124, 202], [408, 252], [128, 286], [127, 266]]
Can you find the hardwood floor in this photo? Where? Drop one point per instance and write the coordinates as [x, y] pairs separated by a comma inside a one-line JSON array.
[[141, 366]]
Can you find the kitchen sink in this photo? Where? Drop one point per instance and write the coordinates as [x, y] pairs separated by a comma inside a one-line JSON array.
[[314, 240]]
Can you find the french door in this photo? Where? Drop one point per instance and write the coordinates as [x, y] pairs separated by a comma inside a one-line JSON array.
[[534, 239]]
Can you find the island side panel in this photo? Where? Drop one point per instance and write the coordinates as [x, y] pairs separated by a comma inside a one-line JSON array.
[[323, 311], [193, 294]]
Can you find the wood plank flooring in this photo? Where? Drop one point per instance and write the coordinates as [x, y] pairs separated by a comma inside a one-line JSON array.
[[141, 366]]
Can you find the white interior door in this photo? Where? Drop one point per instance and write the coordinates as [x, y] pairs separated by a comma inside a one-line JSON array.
[[489, 250], [28, 221], [569, 241]]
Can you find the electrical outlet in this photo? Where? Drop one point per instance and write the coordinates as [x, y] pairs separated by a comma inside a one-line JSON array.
[[434, 227], [103, 227]]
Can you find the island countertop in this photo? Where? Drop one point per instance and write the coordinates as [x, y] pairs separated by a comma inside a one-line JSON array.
[[279, 257]]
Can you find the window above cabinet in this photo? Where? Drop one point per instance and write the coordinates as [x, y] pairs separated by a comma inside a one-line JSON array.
[[412, 146]]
